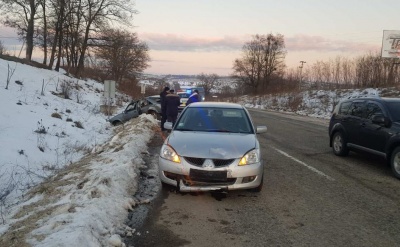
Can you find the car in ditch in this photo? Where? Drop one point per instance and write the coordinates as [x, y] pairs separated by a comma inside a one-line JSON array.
[[149, 105], [132, 110], [212, 147]]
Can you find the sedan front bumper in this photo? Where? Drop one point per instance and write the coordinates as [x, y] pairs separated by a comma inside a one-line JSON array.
[[236, 178]]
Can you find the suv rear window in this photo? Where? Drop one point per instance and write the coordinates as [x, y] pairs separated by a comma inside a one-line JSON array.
[[394, 109]]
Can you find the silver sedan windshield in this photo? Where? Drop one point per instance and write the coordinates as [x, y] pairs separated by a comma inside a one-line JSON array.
[[212, 119]]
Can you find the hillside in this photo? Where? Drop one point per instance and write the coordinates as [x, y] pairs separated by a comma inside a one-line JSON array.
[[67, 176]]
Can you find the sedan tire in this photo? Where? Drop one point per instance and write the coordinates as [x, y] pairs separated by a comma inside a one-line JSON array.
[[395, 162], [339, 144], [116, 123]]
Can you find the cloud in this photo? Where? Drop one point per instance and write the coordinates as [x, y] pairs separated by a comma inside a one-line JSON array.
[[173, 42], [299, 42]]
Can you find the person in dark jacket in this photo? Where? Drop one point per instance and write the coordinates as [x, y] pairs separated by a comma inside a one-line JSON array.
[[172, 101], [195, 97], [163, 94]]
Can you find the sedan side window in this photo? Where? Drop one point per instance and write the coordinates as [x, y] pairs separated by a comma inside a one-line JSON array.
[[131, 107]]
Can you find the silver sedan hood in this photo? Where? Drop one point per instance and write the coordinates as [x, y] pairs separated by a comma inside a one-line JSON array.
[[211, 144]]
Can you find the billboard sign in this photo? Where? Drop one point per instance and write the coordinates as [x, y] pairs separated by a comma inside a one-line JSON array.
[[391, 44]]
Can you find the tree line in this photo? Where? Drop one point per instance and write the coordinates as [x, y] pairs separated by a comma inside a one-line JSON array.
[[75, 33], [261, 69], [91, 36]]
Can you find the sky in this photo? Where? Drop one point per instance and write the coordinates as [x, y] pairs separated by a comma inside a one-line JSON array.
[[193, 37], [95, 169]]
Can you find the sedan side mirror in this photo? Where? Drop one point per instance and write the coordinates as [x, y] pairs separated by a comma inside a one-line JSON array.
[[261, 129], [168, 125]]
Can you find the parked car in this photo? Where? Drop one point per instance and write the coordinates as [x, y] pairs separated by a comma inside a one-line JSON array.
[[212, 146], [149, 105], [184, 98], [370, 124]]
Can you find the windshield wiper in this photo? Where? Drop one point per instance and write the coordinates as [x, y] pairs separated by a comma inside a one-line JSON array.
[[185, 129], [219, 130]]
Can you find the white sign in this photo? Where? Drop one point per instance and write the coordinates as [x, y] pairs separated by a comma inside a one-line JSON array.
[[143, 88], [109, 89], [147, 82], [391, 44]]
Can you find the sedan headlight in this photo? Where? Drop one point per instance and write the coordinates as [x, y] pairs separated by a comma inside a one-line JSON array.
[[250, 157], [167, 152]]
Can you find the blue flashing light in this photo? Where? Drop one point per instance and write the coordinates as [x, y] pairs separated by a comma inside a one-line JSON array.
[[189, 91]]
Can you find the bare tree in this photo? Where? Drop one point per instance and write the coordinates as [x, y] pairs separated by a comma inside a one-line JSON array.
[[2, 48], [123, 54], [21, 14], [209, 82], [370, 70], [10, 73], [96, 14], [43, 31], [262, 57]]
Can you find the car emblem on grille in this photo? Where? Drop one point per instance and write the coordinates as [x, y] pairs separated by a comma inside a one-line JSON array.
[[208, 164]]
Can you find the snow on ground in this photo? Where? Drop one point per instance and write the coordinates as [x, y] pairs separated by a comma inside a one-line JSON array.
[[313, 103], [41, 132], [87, 203], [67, 178]]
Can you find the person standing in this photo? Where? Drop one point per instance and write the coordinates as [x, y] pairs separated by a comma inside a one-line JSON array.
[[172, 102], [195, 97], [163, 94]]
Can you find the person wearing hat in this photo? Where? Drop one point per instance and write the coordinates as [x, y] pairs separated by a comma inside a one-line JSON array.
[[163, 94], [172, 102]]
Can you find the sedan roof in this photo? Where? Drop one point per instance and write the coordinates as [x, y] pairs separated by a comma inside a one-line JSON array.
[[216, 105]]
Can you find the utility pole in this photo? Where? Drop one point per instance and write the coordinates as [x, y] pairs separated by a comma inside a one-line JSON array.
[[301, 70]]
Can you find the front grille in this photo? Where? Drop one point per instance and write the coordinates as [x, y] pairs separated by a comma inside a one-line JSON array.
[[221, 163], [217, 162], [191, 182], [194, 161]]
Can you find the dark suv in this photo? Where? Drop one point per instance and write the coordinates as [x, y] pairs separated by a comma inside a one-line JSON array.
[[369, 124]]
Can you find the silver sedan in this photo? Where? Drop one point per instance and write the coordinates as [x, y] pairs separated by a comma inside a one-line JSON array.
[[213, 146]]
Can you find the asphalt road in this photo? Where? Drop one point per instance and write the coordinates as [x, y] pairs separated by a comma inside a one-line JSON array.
[[310, 198]]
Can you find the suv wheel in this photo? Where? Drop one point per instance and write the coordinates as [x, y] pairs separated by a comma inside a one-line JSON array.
[[395, 162], [339, 144]]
